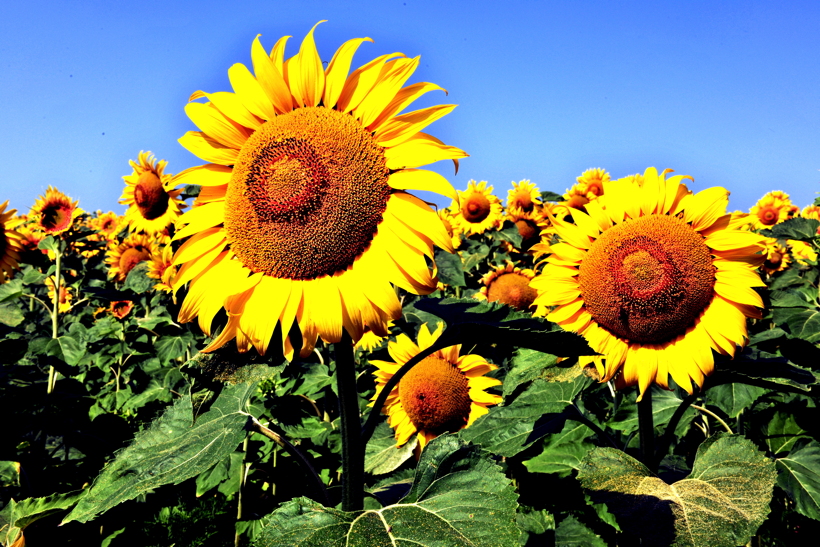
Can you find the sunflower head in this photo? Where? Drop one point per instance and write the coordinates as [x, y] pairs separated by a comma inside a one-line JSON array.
[[591, 182], [530, 225], [812, 211], [304, 216], [64, 302], [508, 285], [151, 195], [777, 257], [655, 279], [122, 258], [523, 196], [10, 243], [802, 252], [161, 268], [54, 212], [773, 208], [478, 209], [106, 226], [120, 308], [443, 393]]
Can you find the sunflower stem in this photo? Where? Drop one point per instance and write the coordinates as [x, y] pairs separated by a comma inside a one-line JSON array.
[[352, 450], [55, 312], [646, 430]]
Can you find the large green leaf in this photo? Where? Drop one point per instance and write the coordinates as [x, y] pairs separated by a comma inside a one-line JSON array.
[[734, 398], [174, 448], [782, 432], [18, 514], [138, 280], [721, 504], [535, 412], [564, 451], [799, 476], [459, 498], [804, 229], [381, 455], [67, 348], [527, 365], [802, 323], [449, 267]]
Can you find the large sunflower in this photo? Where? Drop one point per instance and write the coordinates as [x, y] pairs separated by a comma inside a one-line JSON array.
[[153, 202], [652, 276], [10, 243], [54, 213], [443, 393], [303, 215], [477, 209], [122, 258]]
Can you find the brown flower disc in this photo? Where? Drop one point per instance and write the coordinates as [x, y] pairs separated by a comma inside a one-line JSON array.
[[131, 257], [647, 279], [512, 289], [56, 216], [476, 208], [527, 229], [307, 194], [768, 216], [150, 196], [435, 396]]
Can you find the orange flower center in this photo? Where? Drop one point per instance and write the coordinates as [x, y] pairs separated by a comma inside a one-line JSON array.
[[435, 396], [527, 229], [121, 308], [577, 201], [647, 279], [150, 196], [512, 289], [768, 215], [595, 187], [522, 200], [131, 257], [307, 194], [56, 216], [476, 207]]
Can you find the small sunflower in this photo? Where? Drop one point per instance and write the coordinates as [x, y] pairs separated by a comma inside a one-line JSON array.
[[64, 303], [10, 243], [453, 230], [161, 267], [802, 252], [122, 258], [54, 213], [812, 211], [120, 308], [523, 196], [508, 285], [591, 182], [153, 202], [106, 226], [370, 340], [531, 225], [478, 209], [443, 393], [773, 208], [304, 216], [777, 257], [654, 279]]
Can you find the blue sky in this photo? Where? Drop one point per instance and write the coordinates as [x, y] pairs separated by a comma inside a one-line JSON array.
[[728, 92]]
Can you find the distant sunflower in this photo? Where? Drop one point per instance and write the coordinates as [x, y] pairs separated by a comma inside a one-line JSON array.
[[120, 308], [508, 285], [54, 213], [106, 225], [443, 393], [530, 225], [802, 252], [773, 208], [370, 340], [453, 230], [303, 217], [30, 238], [64, 303], [812, 211], [122, 258], [161, 268], [523, 196], [479, 210], [591, 182], [654, 279], [10, 243], [777, 256], [153, 202]]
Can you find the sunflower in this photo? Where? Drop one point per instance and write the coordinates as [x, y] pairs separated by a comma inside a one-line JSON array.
[[802, 252], [161, 267], [370, 340], [453, 230], [523, 196], [773, 208], [508, 285], [591, 182], [443, 393], [122, 258], [652, 276], [54, 213], [106, 226], [531, 225], [812, 211], [64, 303], [478, 209], [776, 256], [120, 308], [153, 202], [10, 243], [304, 216]]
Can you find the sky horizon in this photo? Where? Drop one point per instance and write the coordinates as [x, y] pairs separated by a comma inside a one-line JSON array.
[[726, 93]]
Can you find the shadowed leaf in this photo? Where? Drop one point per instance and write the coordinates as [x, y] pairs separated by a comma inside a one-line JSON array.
[[799, 476]]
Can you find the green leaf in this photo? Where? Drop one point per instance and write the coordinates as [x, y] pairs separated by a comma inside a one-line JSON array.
[[470, 260], [450, 270], [138, 280], [734, 398], [459, 498], [381, 455], [804, 229], [721, 504], [11, 290], [533, 524], [171, 347], [67, 348], [546, 195], [527, 365], [11, 314], [782, 432], [571, 533], [793, 298], [49, 243], [174, 448], [17, 515], [799, 476], [537, 411], [510, 233], [801, 323], [562, 451]]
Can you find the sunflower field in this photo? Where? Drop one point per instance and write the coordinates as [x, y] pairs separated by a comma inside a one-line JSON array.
[[286, 346]]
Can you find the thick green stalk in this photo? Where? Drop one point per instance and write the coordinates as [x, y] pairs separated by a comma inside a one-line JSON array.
[[646, 430], [243, 470], [55, 311], [352, 450]]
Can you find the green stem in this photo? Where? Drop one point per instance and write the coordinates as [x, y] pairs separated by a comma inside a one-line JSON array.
[[352, 450], [669, 434], [715, 416], [646, 430], [237, 539], [55, 311]]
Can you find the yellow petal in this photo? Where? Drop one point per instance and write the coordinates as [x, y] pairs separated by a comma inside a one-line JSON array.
[[306, 75], [249, 91], [214, 124], [397, 72], [204, 175], [420, 149], [199, 218], [402, 100], [361, 81], [208, 149], [270, 79], [338, 69], [400, 128]]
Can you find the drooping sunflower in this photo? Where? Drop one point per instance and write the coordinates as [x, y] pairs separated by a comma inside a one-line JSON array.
[[477, 209], [10, 243], [161, 268], [653, 277], [777, 256], [773, 208], [802, 252], [54, 213], [151, 195], [523, 196], [443, 393], [64, 302], [303, 215], [122, 258], [508, 285]]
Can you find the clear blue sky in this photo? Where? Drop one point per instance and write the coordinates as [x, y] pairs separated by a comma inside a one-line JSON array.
[[728, 92]]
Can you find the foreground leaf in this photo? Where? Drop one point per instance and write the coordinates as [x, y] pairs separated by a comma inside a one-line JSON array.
[[721, 504], [563, 451], [16, 516], [172, 449], [381, 455], [571, 533], [459, 498], [799, 476]]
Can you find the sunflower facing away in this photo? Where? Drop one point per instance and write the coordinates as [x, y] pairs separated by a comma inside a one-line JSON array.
[[152, 201], [161, 268], [443, 393], [122, 258], [652, 276], [54, 213], [477, 209], [10, 243], [303, 215]]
